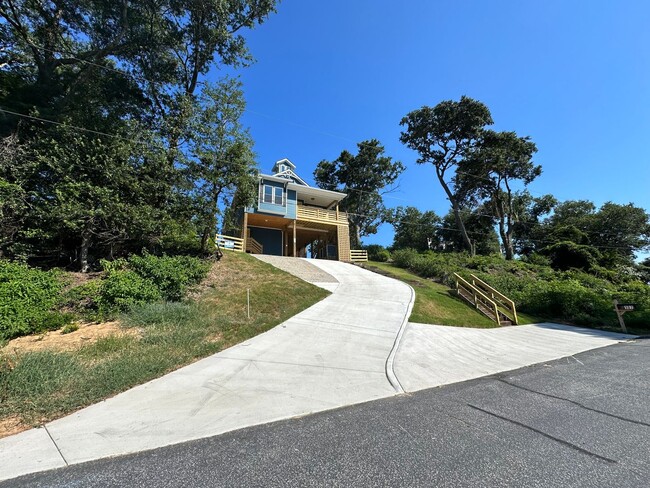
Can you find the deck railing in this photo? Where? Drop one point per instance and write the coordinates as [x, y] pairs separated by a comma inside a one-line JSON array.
[[228, 242], [321, 215], [254, 247], [358, 255]]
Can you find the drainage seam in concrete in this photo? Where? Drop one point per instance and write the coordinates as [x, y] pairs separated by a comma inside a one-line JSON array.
[[390, 361]]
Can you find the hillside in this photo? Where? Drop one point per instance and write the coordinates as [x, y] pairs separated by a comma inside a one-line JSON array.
[[48, 375], [539, 291]]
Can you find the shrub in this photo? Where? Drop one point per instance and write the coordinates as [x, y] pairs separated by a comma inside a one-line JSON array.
[[69, 328], [566, 254], [377, 252], [405, 258], [383, 256], [27, 297], [171, 274], [82, 299], [122, 289]]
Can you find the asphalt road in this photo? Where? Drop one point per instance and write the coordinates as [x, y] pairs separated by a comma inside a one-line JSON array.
[[580, 421]]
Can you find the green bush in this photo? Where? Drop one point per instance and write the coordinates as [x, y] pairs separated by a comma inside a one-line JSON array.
[[566, 254], [383, 256], [171, 274], [405, 258], [83, 299], [123, 289], [575, 295], [70, 328], [27, 300], [377, 252]]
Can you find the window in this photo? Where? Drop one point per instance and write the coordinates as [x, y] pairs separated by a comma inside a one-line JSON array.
[[268, 194], [273, 195]]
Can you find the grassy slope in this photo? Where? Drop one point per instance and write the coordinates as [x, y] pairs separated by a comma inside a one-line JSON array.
[[36, 387], [436, 304]]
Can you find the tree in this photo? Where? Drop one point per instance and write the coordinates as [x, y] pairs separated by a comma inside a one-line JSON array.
[[488, 173], [119, 83], [413, 228], [479, 224], [53, 49], [444, 136], [528, 229], [106, 196], [614, 232], [620, 231], [221, 156], [365, 177], [14, 201]]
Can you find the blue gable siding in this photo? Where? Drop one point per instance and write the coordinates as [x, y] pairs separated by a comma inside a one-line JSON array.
[[271, 239], [292, 204]]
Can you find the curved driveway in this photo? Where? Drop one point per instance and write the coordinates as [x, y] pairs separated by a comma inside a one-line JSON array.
[[333, 354]]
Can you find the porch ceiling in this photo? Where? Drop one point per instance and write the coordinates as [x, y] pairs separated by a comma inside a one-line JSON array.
[[258, 220]]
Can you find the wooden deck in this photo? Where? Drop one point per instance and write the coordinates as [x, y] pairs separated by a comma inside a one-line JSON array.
[[315, 214]]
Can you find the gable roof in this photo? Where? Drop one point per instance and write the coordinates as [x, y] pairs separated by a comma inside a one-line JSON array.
[[290, 175]]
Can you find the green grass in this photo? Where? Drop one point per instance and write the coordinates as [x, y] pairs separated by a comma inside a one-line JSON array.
[[40, 386], [437, 304]]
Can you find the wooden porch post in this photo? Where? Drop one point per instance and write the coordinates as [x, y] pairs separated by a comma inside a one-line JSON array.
[[244, 231], [294, 238], [337, 212], [285, 244]]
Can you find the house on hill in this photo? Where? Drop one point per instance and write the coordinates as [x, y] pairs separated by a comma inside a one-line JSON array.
[[291, 218]]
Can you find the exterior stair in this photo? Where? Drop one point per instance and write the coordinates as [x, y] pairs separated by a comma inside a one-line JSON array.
[[487, 300]]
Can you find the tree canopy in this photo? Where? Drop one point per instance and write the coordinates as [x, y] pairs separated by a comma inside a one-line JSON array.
[[444, 136], [365, 177], [488, 173], [114, 141]]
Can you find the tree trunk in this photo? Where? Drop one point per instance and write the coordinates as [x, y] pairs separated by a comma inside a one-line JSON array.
[[456, 209], [461, 227], [205, 238], [83, 252]]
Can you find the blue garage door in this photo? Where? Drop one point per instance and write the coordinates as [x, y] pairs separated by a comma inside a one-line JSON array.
[[271, 239]]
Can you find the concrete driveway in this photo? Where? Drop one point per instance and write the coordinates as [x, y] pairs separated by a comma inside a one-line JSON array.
[[333, 354], [354, 346], [435, 355]]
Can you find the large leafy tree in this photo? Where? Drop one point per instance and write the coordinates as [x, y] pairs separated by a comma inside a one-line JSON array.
[[480, 225], [444, 136], [528, 228], [610, 235], [97, 195], [121, 82], [488, 173], [414, 229], [365, 177], [50, 51], [221, 159]]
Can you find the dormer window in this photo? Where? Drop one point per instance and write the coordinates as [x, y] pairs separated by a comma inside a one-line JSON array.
[[282, 168]]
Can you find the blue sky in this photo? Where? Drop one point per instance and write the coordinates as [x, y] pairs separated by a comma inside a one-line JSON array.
[[573, 75]]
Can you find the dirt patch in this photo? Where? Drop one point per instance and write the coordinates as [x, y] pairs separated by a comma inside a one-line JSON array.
[[12, 425], [55, 340]]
